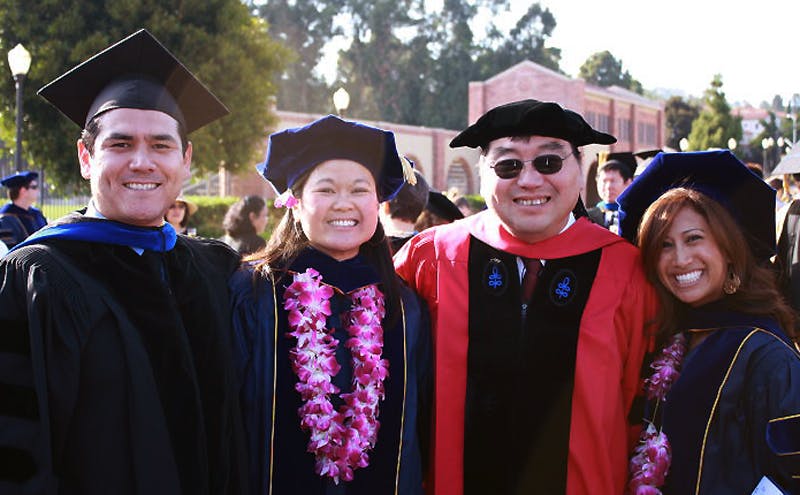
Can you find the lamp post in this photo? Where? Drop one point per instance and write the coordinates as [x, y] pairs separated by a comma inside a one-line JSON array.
[[19, 60], [341, 100], [793, 116]]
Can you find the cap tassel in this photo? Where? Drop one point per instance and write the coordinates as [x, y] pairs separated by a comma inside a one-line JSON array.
[[408, 171]]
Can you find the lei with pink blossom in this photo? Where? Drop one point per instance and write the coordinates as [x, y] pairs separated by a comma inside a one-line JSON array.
[[652, 457], [339, 439]]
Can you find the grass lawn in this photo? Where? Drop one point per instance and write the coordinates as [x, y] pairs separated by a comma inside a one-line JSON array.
[[51, 212]]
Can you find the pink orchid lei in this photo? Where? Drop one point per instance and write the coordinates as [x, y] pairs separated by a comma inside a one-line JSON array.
[[285, 199], [652, 457], [339, 439]]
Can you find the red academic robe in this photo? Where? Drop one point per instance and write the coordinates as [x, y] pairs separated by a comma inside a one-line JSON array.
[[611, 344]]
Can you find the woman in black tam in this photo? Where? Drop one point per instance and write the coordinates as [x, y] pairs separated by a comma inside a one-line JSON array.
[[724, 387], [333, 351]]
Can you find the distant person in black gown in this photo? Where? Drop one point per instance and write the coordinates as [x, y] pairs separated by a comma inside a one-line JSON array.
[[115, 362], [18, 217]]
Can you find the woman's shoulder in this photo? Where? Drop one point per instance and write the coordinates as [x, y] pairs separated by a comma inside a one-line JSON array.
[[770, 351], [250, 281]]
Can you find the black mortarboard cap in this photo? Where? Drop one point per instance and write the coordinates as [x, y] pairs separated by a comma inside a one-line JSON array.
[[441, 206], [18, 179], [137, 72], [645, 154], [295, 151], [530, 118], [717, 174]]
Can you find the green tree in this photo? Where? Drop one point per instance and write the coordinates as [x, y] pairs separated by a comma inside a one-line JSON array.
[[715, 125], [305, 27], [603, 69], [219, 40], [411, 66], [756, 153], [679, 115]]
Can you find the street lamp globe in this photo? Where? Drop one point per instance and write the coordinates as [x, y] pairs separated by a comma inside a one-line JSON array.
[[341, 100], [19, 60], [683, 144], [732, 144]]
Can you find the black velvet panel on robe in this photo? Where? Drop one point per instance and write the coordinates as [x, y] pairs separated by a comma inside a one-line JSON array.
[[150, 355], [521, 372], [292, 463]]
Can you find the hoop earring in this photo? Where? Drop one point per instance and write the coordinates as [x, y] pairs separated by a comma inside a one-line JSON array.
[[732, 282]]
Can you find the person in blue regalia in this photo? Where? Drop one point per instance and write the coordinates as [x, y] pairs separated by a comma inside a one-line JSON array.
[[724, 402], [19, 218], [331, 348]]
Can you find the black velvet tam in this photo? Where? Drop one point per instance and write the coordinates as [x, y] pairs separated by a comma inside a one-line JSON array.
[[137, 72], [530, 118]]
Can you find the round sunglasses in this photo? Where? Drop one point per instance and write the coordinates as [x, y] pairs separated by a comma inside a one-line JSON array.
[[509, 168]]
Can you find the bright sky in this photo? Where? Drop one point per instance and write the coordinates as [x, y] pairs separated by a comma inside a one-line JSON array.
[[680, 44]]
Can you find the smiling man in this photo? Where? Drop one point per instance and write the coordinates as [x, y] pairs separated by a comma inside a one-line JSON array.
[[115, 368], [538, 318]]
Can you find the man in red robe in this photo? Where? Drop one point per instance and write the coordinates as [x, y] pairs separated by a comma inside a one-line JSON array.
[[539, 319]]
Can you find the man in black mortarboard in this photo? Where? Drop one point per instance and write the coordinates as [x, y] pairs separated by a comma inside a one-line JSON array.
[[19, 218], [614, 173], [538, 316], [115, 367]]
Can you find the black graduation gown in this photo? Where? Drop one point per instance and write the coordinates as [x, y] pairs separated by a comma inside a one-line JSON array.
[[115, 370]]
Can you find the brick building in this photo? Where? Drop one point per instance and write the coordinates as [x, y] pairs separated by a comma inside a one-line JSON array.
[[637, 122]]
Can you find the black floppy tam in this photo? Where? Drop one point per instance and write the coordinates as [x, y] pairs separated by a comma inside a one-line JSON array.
[[18, 179], [717, 174], [441, 206], [293, 152], [530, 118], [137, 72]]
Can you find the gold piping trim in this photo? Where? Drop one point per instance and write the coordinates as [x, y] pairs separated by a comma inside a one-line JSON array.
[[274, 380], [785, 417], [719, 393], [405, 387], [714, 408]]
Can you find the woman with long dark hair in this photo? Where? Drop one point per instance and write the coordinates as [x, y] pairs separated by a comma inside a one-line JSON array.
[[333, 350], [724, 402], [243, 222]]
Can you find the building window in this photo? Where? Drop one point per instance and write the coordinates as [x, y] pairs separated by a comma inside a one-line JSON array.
[[650, 135], [591, 119], [646, 134], [602, 123], [624, 129]]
